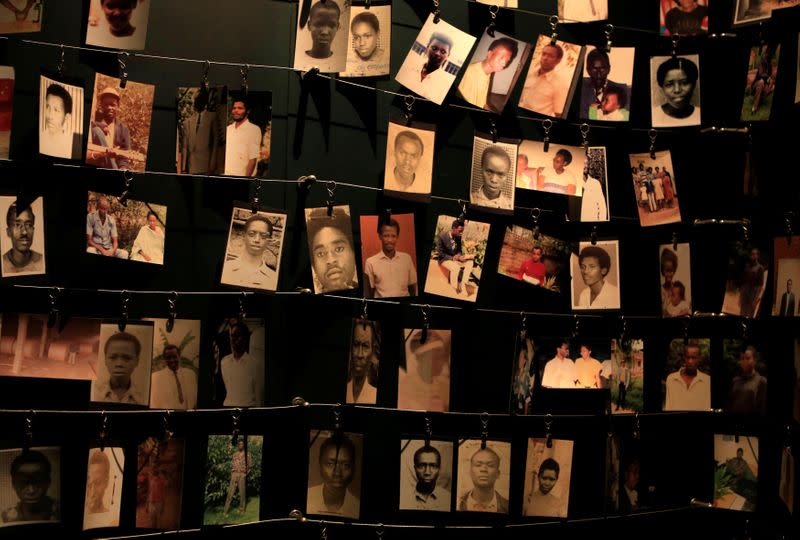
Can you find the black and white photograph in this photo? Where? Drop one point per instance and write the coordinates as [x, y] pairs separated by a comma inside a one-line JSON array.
[[363, 365], [370, 41], [159, 483], [104, 475], [523, 374], [118, 24], [456, 260], [736, 472], [547, 478], [321, 40], [202, 117], [787, 481], [426, 475], [592, 206], [786, 258], [676, 280], [436, 58], [331, 249], [389, 256], [654, 187], [625, 379], [30, 486], [6, 108], [596, 276], [572, 11], [124, 363], [21, 16], [233, 479], [248, 134], [60, 118], [744, 375], [239, 351], [22, 245], [762, 76], [552, 77], [176, 364], [559, 170], [607, 84], [492, 175], [675, 90], [253, 253], [542, 262], [483, 481], [334, 474], [684, 17], [748, 269], [493, 71], [687, 382], [423, 377], [409, 159]]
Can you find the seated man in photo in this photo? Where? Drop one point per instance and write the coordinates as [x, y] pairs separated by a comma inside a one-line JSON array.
[[101, 232], [450, 256], [20, 229]]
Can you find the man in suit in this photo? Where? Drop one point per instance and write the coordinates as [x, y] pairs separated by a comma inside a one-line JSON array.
[[484, 470], [787, 301], [449, 255], [201, 134], [109, 131]]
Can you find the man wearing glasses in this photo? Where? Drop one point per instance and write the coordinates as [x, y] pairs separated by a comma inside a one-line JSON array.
[[21, 258]]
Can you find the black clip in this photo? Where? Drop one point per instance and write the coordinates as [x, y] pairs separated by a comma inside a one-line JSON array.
[[652, 134], [745, 231], [122, 61], [576, 330], [608, 31], [204, 80], [548, 422], [245, 71], [553, 29], [364, 314], [585, 135], [675, 39], [493, 130], [310, 74], [428, 431], [242, 311], [623, 333], [463, 215], [425, 323], [255, 202], [547, 124], [367, 4], [484, 429], [165, 421], [436, 13], [124, 298], [52, 317], [102, 435], [535, 213], [235, 417], [788, 218], [330, 185], [593, 235], [675, 240], [28, 440], [409, 101], [745, 330], [60, 64], [172, 300], [523, 325], [337, 420], [686, 322], [637, 430], [127, 177], [493, 9]]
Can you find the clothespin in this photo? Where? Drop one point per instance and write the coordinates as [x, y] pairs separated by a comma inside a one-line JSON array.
[[331, 187], [493, 9], [788, 219], [124, 298], [122, 61], [428, 431], [484, 429], [367, 4], [593, 235], [463, 215], [675, 240], [675, 39], [171, 314], [585, 135], [409, 101], [686, 323], [637, 430], [425, 323], [306, 181], [493, 130], [242, 312], [102, 435], [547, 124], [28, 439], [623, 333], [576, 330], [167, 425], [255, 202], [535, 213], [745, 330], [436, 12], [364, 316], [523, 325]]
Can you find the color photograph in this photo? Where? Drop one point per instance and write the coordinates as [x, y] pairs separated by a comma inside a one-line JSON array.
[[684, 17], [786, 259], [176, 363], [159, 483], [759, 88], [626, 380], [232, 479], [551, 79], [676, 280], [21, 16], [607, 84], [541, 262], [597, 266], [456, 260], [744, 375], [748, 270], [654, 186], [559, 170], [389, 256], [363, 365], [735, 472], [202, 117], [409, 160], [118, 24], [331, 249], [687, 382]]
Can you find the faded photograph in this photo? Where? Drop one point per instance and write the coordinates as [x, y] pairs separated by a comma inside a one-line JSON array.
[[129, 230], [744, 374], [159, 483], [483, 476], [253, 254], [6, 108], [492, 176], [370, 41], [582, 10], [409, 158], [364, 363], [176, 363], [22, 245], [20, 16], [676, 280], [321, 38], [551, 77], [118, 24], [239, 352], [548, 473], [423, 379], [736, 472], [687, 384], [30, 486], [426, 475], [523, 375], [60, 119], [334, 474], [202, 119], [104, 475]]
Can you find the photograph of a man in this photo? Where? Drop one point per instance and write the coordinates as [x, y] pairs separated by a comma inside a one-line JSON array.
[[370, 36], [747, 389], [547, 478], [320, 42], [202, 118], [104, 476], [748, 270], [173, 387], [549, 83], [22, 244], [493, 174], [365, 357], [483, 477], [248, 135], [334, 474], [425, 475], [242, 370], [233, 479], [253, 253], [457, 258], [330, 246], [786, 262], [736, 472], [688, 388], [30, 482], [390, 269], [123, 367], [409, 158], [118, 24], [6, 108], [60, 119], [102, 237], [159, 483], [606, 84]]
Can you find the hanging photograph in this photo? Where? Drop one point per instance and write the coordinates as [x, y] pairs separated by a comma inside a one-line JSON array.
[[60, 118], [124, 364], [552, 77], [596, 276], [239, 350], [232, 479], [675, 90], [735, 472], [558, 170], [753, 11], [654, 186], [787, 482], [676, 280], [334, 474], [570, 11], [786, 257], [547, 478], [435, 59], [625, 378], [322, 35], [119, 127], [492, 176], [6, 107], [30, 486], [687, 383], [541, 262], [253, 253], [22, 245], [249, 133], [159, 483], [493, 71], [389, 256], [21, 16], [176, 363], [744, 372], [364, 362], [483, 482], [759, 88], [591, 357], [104, 475], [202, 117], [426, 475], [592, 206], [607, 84], [500, 3], [684, 17], [456, 261], [330, 248], [523, 375], [409, 159], [423, 378], [747, 278], [118, 24], [370, 41]]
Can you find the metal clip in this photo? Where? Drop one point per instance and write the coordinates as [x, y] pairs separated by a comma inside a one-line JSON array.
[[331, 187], [122, 61], [124, 298], [553, 29], [28, 440], [788, 219], [337, 417], [364, 315], [686, 322], [244, 71], [323, 531], [548, 422], [242, 311], [306, 181], [463, 215], [675, 240], [675, 39], [436, 13], [637, 430], [745, 231], [745, 330], [577, 328], [652, 134], [52, 317], [585, 135], [623, 334], [171, 315], [102, 435], [523, 325], [255, 202], [310, 74], [593, 235], [379, 531], [608, 31], [168, 432], [484, 429], [409, 101], [535, 213], [493, 9], [236, 415], [206, 69], [425, 323], [127, 177], [547, 124], [428, 431], [367, 4], [60, 63]]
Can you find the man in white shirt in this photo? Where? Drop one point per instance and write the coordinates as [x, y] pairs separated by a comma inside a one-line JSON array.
[[426, 494], [249, 268], [688, 389], [242, 142], [389, 273], [242, 373], [408, 150], [495, 167], [337, 464], [545, 91], [429, 79], [560, 372], [173, 387], [121, 352], [476, 84], [363, 349]]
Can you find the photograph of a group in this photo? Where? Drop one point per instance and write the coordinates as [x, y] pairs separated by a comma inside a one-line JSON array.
[[748, 269], [426, 475], [675, 90], [321, 38], [118, 24], [540, 262], [456, 260], [30, 486], [232, 479], [687, 376], [786, 259], [60, 118], [389, 256], [684, 17], [409, 159], [202, 117], [176, 364], [124, 364], [676, 280], [20, 16], [735, 472], [762, 74], [551, 78], [159, 483], [330, 248], [364, 362], [595, 276], [104, 475], [744, 375], [253, 252], [607, 84], [654, 185], [547, 478], [334, 474], [239, 352], [625, 378], [423, 378], [559, 170], [370, 40], [484, 476], [22, 245], [6, 108], [492, 176], [576, 363]]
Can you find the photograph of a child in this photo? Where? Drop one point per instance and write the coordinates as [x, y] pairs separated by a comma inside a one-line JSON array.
[[322, 35], [684, 17], [30, 486], [676, 280]]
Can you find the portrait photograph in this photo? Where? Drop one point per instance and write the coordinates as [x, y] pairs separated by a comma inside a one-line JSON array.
[[748, 269], [232, 479], [596, 276], [787, 481], [423, 377], [322, 34], [409, 159], [363, 365], [334, 468], [624, 377], [253, 253], [786, 258], [552, 77], [6, 107], [759, 87], [22, 245], [676, 280], [119, 126], [60, 118], [118, 24], [493, 71], [31, 349], [636, 485], [426, 475], [687, 375], [437, 56], [368, 54], [559, 170], [675, 90], [248, 134], [607, 84], [456, 261], [592, 206], [176, 364], [133, 231], [483, 481], [159, 483], [104, 475], [735, 472], [389, 256], [547, 478], [684, 17], [654, 186], [570, 11], [541, 262], [239, 352], [744, 375], [202, 120], [30, 486], [124, 362], [523, 374], [21, 16], [331, 249], [492, 176]]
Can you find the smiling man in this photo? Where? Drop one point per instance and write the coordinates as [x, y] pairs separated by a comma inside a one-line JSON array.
[[476, 84], [330, 243], [121, 353], [21, 259], [389, 273], [495, 169]]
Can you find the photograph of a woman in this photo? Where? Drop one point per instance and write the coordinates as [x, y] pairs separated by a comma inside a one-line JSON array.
[[675, 90], [149, 243]]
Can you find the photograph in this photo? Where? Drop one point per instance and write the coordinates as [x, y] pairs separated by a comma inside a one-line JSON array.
[[253, 253], [30, 486], [796, 385], [389, 256], [676, 280], [119, 124], [22, 245], [675, 90], [786, 257], [607, 84], [123, 364], [748, 269], [129, 229], [735, 472], [331, 249], [597, 266], [176, 364], [60, 118], [492, 177], [321, 38], [655, 190], [684, 17], [759, 87], [787, 482], [571, 11], [249, 133], [364, 363], [28, 348], [159, 483], [239, 351], [591, 367], [334, 474], [423, 377], [592, 206], [552, 77], [409, 159], [744, 374], [233, 479], [6, 107], [500, 3], [613, 493], [493, 72], [625, 378], [547, 478], [559, 170], [437, 56], [541, 262], [635, 483], [754, 11], [456, 261], [202, 117], [20, 16], [687, 375], [104, 475], [118, 24], [368, 54], [426, 475], [523, 375], [483, 476]]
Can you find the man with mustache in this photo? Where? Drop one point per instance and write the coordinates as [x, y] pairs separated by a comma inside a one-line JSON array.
[[337, 465], [495, 167], [21, 258], [121, 352], [484, 470], [333, 261], [389, 273], [688, 389], [426, 495]]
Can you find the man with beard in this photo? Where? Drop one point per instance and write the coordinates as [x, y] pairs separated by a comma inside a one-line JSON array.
[[109, 132], [330, 243], [121, 352], [476, 84], [242, 374], [101, 232], [337, 464], [242, 142], [594, 88], [484, 470], [545, 92], [363, 349], [495, 167], [21, 259], [389, 273], [173, 387], [688, 389], [543, 502], [249, 269], [426, 495]]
